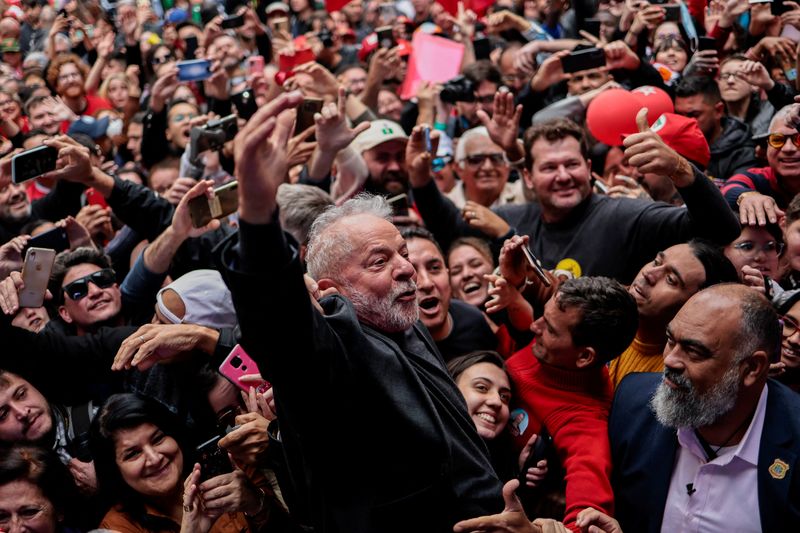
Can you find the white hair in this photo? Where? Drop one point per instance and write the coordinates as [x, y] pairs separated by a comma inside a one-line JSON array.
[[328, 248], [781, 115], [461, 148]]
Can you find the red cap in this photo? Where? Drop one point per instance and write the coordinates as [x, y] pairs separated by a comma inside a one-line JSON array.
[[683, 135], [403, 48], [368, 45]]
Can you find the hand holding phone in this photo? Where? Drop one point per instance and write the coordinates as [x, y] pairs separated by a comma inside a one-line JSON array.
[[586, 59], [213, 459], [194, 70], [239, 364], [35, 276], [33, 163], [537, 267], [225, 201]]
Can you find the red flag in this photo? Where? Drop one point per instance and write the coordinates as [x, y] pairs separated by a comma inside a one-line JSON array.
[[335, 5]]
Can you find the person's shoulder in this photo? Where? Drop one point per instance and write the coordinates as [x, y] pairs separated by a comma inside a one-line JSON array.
[[785, 398], [462, 311], [118, 520], [637, 386], [516, 211]]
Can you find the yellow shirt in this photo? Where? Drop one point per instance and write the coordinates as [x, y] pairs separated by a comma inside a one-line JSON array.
[[638, 357]]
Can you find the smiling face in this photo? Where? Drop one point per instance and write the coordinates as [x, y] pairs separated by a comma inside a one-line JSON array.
[[376, 275], [433, 286], [24, 413], [467, 267], [560, 176], [31, 318], [662, 286], [387, 166], [97, 306], [484, 169], [785, 161], [70, 81], [757, 248], [487, 391], [790, 346], [14, 204], [22, 503], [149, 461]]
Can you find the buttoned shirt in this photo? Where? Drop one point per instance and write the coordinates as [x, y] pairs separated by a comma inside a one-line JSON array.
[[720, 494]]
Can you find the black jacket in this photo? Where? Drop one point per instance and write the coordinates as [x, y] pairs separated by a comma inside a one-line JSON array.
[[733, 152], [372, 425]]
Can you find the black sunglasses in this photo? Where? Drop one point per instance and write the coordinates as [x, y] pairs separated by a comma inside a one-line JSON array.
[[161, 60], [79, 288]]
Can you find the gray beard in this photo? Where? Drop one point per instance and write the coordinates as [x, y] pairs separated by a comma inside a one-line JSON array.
[[684, 407], [385, 314]]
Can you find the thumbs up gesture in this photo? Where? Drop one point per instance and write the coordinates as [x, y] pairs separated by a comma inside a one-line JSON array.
[[650, 154]]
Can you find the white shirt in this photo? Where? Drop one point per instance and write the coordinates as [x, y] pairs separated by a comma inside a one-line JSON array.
[[725, 496]]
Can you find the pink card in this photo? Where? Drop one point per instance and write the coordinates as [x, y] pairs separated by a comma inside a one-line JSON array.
[[433, 59]]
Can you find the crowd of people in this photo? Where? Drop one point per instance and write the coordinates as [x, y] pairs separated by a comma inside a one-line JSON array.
[[542, 256]]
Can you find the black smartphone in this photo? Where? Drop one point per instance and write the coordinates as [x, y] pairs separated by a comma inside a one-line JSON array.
[[672, 13], [212, 135], [586, 59], [245, 103], [536, 265], [538, 452], [33, 163], [592, 26], [706, 43], [203, 209], [213, 459], [190, 47], [777, 8], [54, 239], [232, 21], [385, 37], [305, 115], [399, 204], [658, 2], [482, 47]]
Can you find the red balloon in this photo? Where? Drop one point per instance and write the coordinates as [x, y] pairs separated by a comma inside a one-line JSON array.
[[656, 100], [612, 115]]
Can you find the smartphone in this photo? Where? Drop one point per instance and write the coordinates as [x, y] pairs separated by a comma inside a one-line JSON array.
[[239, 364], [482, 48], [255, 65], [706, 43], [36, 274], [225, 201], [538, 452], [426, 132], [194, 70], [213, 459], [601, 186], [305, 115], [232, 21], [55, 239], [280, 25], [777, 8], [586, 59], [190, 47], [759, 1], [399, 204], [672, 13], [245, 103], [93, 197], [385, 37], [33, 163], [592, 26], [212, 136], [534, 263]]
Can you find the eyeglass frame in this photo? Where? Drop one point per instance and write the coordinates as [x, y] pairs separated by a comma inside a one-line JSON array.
[[792, 323], [795, 137], [778, 247], [89, 278]]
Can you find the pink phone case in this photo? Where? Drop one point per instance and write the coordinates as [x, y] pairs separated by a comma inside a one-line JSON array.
[[239, 364]]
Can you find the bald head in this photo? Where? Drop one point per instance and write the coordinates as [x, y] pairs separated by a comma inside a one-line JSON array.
[[779, 118]]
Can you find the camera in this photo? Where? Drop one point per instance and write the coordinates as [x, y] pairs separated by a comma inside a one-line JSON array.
[[459, 89], [212, 136]]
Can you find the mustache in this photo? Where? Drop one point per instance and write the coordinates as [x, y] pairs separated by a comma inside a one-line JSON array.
[[678, 379], [402, 287]]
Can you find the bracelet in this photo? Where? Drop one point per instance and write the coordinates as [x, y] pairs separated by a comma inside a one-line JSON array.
[[441, 126]]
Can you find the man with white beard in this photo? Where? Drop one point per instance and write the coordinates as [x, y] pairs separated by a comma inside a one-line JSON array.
[[375, 433], [711, 444]]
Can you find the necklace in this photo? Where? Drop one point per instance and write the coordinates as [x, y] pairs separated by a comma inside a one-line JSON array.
[[712, 453]]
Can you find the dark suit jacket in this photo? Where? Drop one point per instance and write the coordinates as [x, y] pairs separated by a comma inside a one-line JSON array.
[[643, 453]]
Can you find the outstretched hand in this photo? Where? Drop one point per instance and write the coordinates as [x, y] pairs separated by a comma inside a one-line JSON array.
[[650, 154]]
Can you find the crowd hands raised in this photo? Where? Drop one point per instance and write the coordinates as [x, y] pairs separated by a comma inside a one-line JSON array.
[[503, 280]]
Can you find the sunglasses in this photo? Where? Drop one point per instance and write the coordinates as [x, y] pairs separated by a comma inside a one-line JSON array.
[[79, 288], [438, 163], [478, 159], [161, 60], [777, 140]]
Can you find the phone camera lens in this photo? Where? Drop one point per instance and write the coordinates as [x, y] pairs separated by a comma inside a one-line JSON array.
[[236, 362]]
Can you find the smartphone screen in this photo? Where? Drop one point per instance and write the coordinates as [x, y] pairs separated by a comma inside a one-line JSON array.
[[385, 37], [194, 70], [587, 59], [534, 263], [305, 115], [213, 459], [55, 239], [232, 21], [33, 163]]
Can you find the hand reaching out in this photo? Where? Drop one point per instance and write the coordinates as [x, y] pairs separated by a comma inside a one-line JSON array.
[[333, 133], [503, 125], [181, 218], [484, 219]]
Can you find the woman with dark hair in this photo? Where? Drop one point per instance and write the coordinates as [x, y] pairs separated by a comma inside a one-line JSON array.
[[141, 465], [35, 489], [482, 378]]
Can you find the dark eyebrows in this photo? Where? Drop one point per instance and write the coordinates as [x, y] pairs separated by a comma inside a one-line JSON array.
[[672, 269], [691, 344]]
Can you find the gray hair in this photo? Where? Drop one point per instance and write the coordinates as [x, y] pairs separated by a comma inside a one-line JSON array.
[[781, 115], [299, 206], [461, 148], [327, 248]]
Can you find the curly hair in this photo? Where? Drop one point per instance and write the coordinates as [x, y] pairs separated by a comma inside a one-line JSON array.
[[61, 60]]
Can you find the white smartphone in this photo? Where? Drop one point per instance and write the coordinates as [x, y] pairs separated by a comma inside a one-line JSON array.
[[36, 275]]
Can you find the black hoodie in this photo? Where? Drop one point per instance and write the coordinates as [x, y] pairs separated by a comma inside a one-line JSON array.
[[733, 152]]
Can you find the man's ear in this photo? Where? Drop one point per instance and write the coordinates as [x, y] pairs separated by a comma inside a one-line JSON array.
[[719, 109], [755, 367], [64, 314], [327, 283], [586, 357], [527, 178]]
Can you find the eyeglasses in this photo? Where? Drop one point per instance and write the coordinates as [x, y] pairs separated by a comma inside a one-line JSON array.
[[439, 163], [485, 99], [477, 160], [180, 117], [69, 75], [790, 326], [749, 247], [511, 78], [79, 288], [160, 60], [777, 140]]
